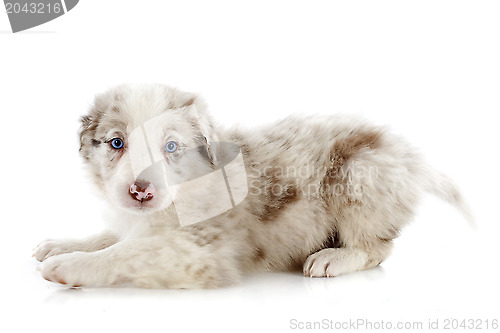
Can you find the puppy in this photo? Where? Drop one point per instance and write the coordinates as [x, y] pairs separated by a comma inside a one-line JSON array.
[[197, 206]]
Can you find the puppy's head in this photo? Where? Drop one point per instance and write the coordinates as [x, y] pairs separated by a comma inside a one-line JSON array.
[[140, 142]]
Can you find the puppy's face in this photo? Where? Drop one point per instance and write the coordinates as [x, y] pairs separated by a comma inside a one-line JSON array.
[[140, 143]]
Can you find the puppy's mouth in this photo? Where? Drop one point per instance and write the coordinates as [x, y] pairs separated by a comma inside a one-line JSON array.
[[140, 206]]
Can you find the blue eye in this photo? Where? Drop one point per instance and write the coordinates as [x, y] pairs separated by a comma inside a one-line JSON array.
[[117, 143], [171, 147]]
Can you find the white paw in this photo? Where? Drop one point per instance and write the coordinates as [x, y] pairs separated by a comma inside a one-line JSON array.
[[49, 248], [320, 265], [72, 269], [334, 262]]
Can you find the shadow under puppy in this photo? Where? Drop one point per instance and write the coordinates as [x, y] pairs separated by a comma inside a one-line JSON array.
[[323, 194]]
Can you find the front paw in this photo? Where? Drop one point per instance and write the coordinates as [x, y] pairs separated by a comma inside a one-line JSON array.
[[49, 248], [71, 269]]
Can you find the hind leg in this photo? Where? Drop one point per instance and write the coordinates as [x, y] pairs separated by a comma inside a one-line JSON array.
[[371, 191], [332, 262]]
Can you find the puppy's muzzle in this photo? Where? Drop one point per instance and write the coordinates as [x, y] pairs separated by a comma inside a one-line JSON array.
[[142, 190]]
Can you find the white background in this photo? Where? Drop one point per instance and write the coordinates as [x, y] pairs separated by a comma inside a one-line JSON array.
[[429, 69]]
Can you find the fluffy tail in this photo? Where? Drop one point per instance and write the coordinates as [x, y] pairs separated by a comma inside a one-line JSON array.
[[443, 187]]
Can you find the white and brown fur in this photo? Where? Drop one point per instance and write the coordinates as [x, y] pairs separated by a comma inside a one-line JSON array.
[[362, 188]]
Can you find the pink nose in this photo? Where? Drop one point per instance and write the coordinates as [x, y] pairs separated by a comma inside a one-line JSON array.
[[142, 190]]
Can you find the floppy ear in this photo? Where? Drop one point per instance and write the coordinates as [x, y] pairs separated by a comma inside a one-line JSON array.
[[89, 124], [87, 133], [195, 110]]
